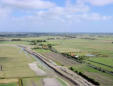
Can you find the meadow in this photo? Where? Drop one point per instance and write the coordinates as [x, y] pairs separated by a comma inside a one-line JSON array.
[[97, 46], [14, 64], [100, 47], [15, 67]]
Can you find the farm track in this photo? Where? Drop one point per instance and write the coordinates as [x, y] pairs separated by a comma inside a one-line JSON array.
[[65, 72]]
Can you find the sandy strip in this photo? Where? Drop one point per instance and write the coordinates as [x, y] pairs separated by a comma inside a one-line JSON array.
[[37, 70], [51, 82], [3, 81]]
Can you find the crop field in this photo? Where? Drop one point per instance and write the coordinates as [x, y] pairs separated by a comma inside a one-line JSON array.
[[59, 59]]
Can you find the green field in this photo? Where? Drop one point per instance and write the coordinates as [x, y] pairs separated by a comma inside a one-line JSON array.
[[101, 48], [107, 61], [14, 42], [42, 50], [32, 81], [10, 84], [96, 47], [103, 78], [14, 62]]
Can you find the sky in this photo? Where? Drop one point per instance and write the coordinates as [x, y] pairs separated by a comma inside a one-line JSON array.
[[56, 15]]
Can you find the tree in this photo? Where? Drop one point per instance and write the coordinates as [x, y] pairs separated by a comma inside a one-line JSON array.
[[49, 46]]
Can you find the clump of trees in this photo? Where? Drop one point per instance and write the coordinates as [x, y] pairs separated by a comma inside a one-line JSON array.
[[16, 40], [35, 42]]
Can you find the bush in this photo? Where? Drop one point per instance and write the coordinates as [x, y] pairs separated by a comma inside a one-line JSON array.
[[16, 40]]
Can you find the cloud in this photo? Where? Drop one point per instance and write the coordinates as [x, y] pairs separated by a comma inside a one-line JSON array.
[[48, 13], [29, 4], [95, 17], [100, 2], [4, 12]]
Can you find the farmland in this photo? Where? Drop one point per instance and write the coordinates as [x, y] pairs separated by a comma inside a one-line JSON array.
[[19, 68], [99, 49], [14, 64], [10, 59]]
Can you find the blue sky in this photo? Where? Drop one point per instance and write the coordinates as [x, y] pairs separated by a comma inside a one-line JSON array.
[[56, 15]]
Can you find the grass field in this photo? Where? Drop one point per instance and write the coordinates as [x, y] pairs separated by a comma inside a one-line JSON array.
[[102, 78], [32, 81], [102, 48], [14, 62], [14, 42], [107, 61], [42, 50], [9, 84], [96, 47]]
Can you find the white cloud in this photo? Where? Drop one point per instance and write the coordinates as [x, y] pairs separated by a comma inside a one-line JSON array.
[[4, 12], [95, 16], [100, 2], [33, 4], [70, 13]]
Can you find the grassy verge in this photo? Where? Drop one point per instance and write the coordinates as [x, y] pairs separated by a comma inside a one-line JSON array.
[[42, 50], [63, 83]]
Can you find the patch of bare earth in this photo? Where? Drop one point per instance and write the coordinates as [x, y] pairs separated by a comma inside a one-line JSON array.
[[4, 81], [59, 58], [50, 82], [36, 69]]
